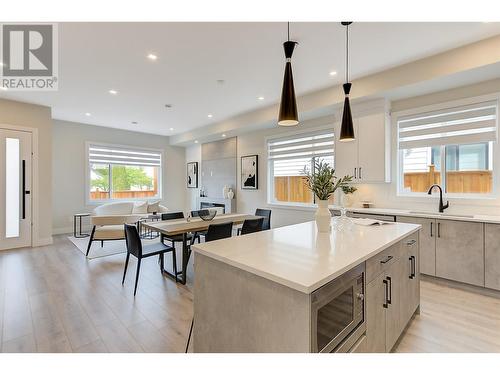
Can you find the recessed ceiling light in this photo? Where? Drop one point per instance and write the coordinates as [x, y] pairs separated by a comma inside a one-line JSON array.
[[195, 141], [152, 56], [134, 122], [113, 92], [223, 136], [333, 73], [88, 114], [260, 98], [171, 129], [210, 115]]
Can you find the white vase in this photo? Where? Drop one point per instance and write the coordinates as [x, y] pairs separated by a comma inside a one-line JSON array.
[[323, 216], [224, 191], [230, 194]]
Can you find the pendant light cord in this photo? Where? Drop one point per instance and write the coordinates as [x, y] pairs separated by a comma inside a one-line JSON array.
[[347, 54], [288, 24]]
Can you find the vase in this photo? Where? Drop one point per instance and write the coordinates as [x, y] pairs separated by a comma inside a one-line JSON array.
[[230, 194], [323, 216], [224, 191]]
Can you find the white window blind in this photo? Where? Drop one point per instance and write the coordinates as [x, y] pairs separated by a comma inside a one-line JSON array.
[[473, 123], [124, 156], [302, 146]]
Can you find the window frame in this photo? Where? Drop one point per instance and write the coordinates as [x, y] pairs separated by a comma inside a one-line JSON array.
[[270, 166], [400, 192], [93, 202]]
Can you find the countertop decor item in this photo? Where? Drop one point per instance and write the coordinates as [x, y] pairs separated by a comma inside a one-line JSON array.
[[230, 194], [322, 182], [347, 128], [207, 215], [288, 114]]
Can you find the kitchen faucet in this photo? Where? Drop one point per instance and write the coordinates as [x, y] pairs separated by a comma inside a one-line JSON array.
[[442, 206]]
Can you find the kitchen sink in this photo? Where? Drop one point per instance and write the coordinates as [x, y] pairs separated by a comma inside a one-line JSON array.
[[440, 214]]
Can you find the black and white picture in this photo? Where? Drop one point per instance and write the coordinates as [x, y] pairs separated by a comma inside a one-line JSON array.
[[249, 172], [192, 174]]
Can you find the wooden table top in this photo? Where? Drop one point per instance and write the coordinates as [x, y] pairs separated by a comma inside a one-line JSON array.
[[180, 226]]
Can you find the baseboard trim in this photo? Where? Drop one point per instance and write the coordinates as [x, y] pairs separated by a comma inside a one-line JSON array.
[[67, 230]]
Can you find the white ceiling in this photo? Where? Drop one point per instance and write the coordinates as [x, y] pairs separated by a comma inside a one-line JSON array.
[[97, 57]]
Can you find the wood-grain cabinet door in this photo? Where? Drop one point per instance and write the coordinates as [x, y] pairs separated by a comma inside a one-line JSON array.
[[492, 256], [394, 276], [427, 242], [375, 315], [460, 251], [410, 283]]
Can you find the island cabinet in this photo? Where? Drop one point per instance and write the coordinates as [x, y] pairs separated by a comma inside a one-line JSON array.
[[292, 289], [392, 294]]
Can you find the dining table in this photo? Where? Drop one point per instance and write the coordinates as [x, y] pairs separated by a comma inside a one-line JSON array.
[[169, 228]]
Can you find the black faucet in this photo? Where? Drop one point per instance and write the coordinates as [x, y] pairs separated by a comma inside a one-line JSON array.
[[442, 206]]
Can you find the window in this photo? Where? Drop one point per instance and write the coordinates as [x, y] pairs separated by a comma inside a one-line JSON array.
[[121, 172], [288, 157], [452, 148]]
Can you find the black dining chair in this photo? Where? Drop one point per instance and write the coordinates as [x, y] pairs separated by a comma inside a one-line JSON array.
[[252, 226], [135, 247], [266, 214], [214, 232], [197, 214], [178, 237]]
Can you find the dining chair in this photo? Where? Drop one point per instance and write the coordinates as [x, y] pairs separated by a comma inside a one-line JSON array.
[[266, 214], [214, 232], [178, 237], [197, 213], [252, 226], [140, 251]]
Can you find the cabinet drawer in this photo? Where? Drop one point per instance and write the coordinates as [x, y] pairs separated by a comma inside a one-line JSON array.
[[382, 261]]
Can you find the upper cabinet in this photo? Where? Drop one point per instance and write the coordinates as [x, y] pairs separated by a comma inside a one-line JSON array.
[[367, 158]]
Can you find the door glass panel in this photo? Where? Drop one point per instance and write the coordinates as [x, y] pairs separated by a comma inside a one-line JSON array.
[[334, 317], [12, 193]]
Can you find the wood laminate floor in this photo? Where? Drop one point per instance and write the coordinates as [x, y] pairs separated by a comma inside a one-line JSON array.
[[52, 299]]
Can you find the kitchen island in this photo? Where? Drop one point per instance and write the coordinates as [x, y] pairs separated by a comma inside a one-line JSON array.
[[292, 289]]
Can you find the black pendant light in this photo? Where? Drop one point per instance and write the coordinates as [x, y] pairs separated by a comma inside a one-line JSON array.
[[347, 128], [288, 115]]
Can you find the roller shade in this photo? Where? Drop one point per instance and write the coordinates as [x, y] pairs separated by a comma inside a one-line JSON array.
[[467, 124], [302, 146], [99, 154]]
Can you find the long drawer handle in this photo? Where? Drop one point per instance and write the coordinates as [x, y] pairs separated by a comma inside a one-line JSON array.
[[386, 293], [411, 242], [389, 299], [387, 259], [412, 267]]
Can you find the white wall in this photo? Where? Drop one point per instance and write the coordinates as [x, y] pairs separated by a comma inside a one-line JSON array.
[[69, 166], [40, 118]]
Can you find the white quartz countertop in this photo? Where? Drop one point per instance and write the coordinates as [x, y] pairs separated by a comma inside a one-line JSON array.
[[419, 213], [299, 257]]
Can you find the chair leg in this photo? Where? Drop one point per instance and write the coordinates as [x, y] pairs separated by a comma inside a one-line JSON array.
[[126, 266], [91, 238], [174, 261], [189, 337], [137, 274], [162, 261], [102, 243]]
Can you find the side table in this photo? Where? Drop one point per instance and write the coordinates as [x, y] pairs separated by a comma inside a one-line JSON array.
[[77, 229]]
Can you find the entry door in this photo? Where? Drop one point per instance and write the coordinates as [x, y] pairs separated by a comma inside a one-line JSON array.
[[15, 189]]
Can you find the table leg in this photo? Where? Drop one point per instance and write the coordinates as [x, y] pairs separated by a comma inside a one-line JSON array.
[[74, 226], [185, 258]]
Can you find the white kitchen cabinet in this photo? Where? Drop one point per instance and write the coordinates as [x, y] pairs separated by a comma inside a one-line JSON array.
[[367, 157]]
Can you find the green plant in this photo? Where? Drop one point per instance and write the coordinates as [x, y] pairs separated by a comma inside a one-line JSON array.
[[322, 180]]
